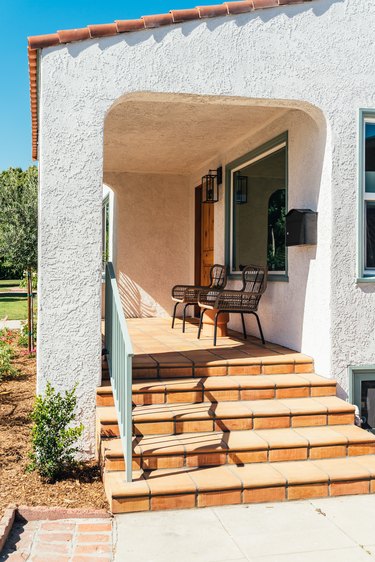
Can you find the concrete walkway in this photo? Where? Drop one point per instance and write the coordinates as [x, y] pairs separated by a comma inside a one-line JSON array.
[[327, 530], [11, 324]]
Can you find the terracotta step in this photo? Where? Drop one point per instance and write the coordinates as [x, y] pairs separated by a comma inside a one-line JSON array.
[[216, 389], [230, 484], [240, 447], [163, 419], [194, 364]]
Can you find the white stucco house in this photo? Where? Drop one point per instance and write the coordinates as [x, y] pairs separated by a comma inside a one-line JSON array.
[[279, 95]]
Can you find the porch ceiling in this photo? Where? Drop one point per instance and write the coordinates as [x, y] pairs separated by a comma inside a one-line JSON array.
[[176, 137]]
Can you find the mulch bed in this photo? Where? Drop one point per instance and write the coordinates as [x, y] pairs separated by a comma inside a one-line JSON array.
[[83, 489]]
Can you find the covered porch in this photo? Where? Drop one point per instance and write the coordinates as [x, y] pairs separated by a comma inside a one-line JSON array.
[[157, 148]]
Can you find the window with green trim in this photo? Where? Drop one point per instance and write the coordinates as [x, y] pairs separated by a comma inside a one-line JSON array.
[[258, 201], [105, 231], [367, 197]]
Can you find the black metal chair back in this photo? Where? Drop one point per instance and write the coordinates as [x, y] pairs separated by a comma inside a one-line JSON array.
[[254, 279], [218, 276]]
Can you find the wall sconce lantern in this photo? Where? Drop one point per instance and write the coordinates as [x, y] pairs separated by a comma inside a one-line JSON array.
[[240, 189], [210, 186]]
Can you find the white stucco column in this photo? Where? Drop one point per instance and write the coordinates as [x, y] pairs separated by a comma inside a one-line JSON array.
[[70, 203]]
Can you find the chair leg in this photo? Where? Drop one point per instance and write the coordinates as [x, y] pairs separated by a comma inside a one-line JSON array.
[[203, 310], [243, 325], [184, 318], [174, 313], [260, 328], [215, 327]]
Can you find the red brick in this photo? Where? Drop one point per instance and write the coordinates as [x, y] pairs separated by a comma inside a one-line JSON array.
[[94, 527], [92, 548], [55, 537], [93, 537], [57, 526], [91, 559], [48, 558], [61, 548]]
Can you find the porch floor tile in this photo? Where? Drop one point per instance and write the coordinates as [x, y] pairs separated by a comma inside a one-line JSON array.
[[158, 347]]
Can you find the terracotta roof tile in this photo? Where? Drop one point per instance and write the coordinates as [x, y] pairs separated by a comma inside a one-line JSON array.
[[212, 11], [70, 35], [185, 15], [239, 7], [258, 4], [130, 25], [103, 30], [157, 20], [123, 26]]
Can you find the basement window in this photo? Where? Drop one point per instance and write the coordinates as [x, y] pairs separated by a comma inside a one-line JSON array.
[[362, 394]]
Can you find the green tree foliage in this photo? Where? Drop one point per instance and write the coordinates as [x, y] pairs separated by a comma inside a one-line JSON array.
[[53, 437], [19, 218]]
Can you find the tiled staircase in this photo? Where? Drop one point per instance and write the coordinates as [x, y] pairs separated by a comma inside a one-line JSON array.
[[234, 438]]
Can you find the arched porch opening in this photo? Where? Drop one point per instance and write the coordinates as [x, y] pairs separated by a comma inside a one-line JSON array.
[[157, 147]]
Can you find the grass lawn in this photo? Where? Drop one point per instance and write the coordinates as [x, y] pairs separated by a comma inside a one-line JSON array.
[[6, 284], [14, 307]]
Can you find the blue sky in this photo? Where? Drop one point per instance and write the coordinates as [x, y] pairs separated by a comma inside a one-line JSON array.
[[20, 18]]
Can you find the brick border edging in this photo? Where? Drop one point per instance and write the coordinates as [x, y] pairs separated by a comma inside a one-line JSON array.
[[54, 513], [6, 524], [45, 513]]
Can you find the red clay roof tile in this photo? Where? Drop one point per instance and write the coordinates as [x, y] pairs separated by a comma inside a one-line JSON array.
[[258, 4], [180, 16], [239, 7], [103, 30], [41, 41], [69, 35], [157, 20], [123, 26], [212, 11], [130, 25]]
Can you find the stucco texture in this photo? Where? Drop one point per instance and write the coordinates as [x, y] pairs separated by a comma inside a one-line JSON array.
[[315, 59], [153, 234]]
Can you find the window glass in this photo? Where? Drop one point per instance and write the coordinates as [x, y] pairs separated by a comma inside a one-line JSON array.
[[370, 157], [105, 231], [258, 233], [370, 234]]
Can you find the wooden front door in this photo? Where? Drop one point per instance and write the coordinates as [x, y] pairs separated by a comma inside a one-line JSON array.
[[207, 242]]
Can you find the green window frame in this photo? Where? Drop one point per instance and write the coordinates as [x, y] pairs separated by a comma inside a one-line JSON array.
[[106, 232], [357, 375], [366, 199], [281, 141]]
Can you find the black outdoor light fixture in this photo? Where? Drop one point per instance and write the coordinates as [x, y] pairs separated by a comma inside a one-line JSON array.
[[240, 189], [210, 185]]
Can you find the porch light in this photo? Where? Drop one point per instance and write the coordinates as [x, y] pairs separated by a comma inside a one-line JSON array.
[[210, 185], [240, 189]]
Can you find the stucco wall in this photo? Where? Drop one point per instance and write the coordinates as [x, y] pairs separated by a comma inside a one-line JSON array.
[[319, 54], [154, 235]]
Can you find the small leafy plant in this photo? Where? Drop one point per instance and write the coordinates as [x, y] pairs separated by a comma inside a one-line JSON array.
[[6, 354], [6, 367], [54, 446], [23, 338]]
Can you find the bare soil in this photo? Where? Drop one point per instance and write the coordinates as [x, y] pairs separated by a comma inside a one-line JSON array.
[[17, 486]]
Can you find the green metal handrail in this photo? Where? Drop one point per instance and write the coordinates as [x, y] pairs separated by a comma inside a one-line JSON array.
[[119, 353]]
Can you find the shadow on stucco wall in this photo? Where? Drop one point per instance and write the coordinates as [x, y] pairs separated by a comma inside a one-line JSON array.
[[135, 301]]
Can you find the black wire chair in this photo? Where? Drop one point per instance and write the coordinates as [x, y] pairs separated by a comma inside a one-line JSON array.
[[244, 301], [189, 294]]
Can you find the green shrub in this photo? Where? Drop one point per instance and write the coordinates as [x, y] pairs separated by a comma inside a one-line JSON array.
[[54, 445], [34, 280], [23, 338], [6, 355]]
